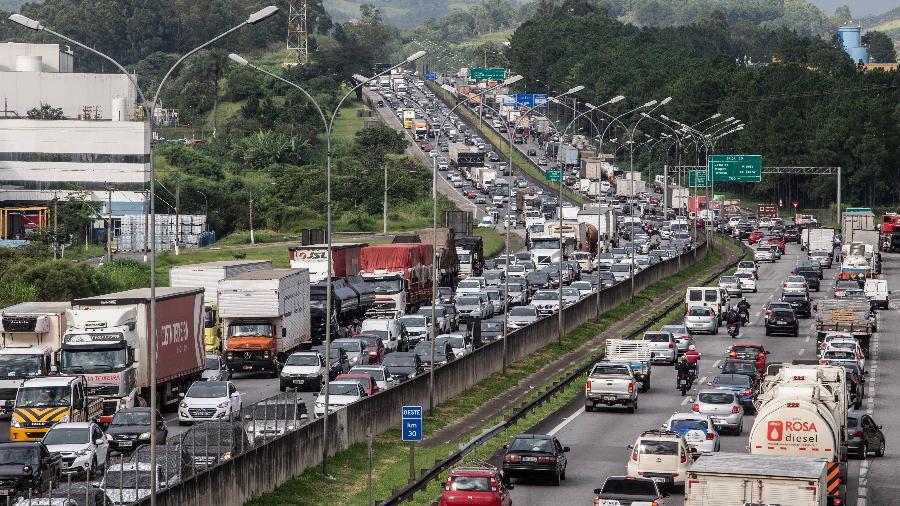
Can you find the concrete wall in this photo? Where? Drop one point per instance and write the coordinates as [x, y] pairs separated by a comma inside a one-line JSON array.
[[262, 469]]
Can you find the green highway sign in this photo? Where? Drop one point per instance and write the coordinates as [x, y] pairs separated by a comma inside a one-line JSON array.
[[697, 179], [483, 74], [553, 175], [736, 168]]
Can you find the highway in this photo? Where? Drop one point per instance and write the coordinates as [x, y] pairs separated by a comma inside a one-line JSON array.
[[598, 440]]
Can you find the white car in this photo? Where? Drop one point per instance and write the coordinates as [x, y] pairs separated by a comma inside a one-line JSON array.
[[521, 317], [486, 222], [546, 302], [303, 370], [570, 295], [379, 373], [340, 394], [82, 445], [763, 253], [215, 370], [585, 288], [748, 281], [698, 430], [458, 343], [209, 400], [663, 455]]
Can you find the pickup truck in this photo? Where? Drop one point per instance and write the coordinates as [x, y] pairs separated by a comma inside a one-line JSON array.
[[636, 354], [611, 383], [27, 467]]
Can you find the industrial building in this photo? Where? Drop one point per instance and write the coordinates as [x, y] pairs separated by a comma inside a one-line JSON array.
[[101, 144], [851, 43]]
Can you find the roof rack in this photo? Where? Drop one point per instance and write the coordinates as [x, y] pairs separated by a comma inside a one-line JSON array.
[[658, 432]]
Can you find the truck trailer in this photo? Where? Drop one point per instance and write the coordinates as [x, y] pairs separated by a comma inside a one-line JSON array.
[[108, 342], [401, 274]]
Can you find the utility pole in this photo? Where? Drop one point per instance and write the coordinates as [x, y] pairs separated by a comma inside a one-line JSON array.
[[384, 218], [146, 222], [109, 227], [177, 217], [55, 226], [252, 239]]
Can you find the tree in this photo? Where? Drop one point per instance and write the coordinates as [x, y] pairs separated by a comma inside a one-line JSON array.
[[374, 144], [45, 111], [76, 212], [881, 47]]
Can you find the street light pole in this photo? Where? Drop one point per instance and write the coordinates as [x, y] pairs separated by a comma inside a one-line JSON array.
[[148, 108]]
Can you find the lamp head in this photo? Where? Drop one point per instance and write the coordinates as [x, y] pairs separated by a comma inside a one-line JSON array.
[[25, 21], [415, 56], [576, 89], [649, 104], [716, 115], [260, 15], [360, 78], [236, 58], [666, 101], [512, 80]]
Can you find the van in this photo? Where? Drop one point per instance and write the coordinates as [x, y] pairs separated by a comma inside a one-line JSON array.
[[388, 329], [877, 292], [708, 296]]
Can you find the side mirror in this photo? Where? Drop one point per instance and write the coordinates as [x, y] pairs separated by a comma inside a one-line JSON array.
[[630, 447], [597, 491], [879, 426], [181, 395], [566, 449]]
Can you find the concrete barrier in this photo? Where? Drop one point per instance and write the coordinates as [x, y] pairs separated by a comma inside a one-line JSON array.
[[264, 468]]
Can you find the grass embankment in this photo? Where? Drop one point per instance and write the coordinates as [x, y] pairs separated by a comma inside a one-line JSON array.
[[495, 242], [502, 147], [390, 455]]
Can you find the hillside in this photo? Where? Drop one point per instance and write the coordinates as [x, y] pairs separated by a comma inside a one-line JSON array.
[[399, 13], [889, 23], [13, 5]]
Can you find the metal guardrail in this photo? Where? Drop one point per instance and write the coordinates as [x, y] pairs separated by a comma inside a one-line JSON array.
[[410, 489]]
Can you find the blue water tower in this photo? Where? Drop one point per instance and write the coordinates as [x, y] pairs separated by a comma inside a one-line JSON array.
[[851, 42]]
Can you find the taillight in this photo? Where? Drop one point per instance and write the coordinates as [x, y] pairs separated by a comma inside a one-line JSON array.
[[747, 392], [858, 434], [631, 388], [683, 457], [634, 455], [735, 409], [512, 458], [587, 386], [709, 436], [670, 346], [695, 408], [732, 354]]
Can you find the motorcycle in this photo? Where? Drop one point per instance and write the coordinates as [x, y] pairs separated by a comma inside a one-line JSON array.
[[684, 383], [733, 330], [745, 316]]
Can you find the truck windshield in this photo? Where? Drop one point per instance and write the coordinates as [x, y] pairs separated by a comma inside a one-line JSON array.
[[464, 258], [75, 360], [20, 456], [386, 285], [21, 366], [545, 243], [44, 397], [250, 330]]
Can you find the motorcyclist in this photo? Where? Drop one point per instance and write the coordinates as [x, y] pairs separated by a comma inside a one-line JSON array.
[[692, 356], [684, 368], [732, 317], [743, 308]]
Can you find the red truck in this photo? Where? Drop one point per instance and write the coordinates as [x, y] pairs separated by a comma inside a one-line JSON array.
[[401, 274], [344, 259]]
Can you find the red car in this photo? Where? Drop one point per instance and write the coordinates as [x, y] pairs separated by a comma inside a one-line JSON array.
[[775, 241], [471, 194], [654, 201], [753, 352], [476, 486], [367, 382], [754, 237], [374, 347], [700, 223]]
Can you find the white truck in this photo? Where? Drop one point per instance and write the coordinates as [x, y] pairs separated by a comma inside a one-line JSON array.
[[801, 412], [636, 354], [817, 239], [108, 342], [630, 188], [32, 332], [609, 384], [207, 276], [736, 479], [265, 317], [485, 178], [545, 249]]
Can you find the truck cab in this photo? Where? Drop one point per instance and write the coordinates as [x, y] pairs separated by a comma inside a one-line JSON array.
[[43, 402], [20, 363], [249, 344], [212, 332]]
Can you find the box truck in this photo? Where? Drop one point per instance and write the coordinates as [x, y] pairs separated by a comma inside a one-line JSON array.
[[265, 317], [207, 276], [32, 333], [108, 342], [401, 275]]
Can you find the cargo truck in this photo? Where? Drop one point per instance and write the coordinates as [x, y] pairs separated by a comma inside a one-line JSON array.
[[314, 258], [636, 354], [854, 219], [32, 333], [817, 239], [462, 155], [470, 252], [844, 315], [802, 412], [735, 479], [108, 342], [265, 317], [568, 155], [448, 262], [400, 274], [860, 259], [630, 188], [207, 276], [409, 116]]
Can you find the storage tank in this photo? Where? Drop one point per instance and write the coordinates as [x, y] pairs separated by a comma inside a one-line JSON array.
[[118, 111], [29, 63], [851, 42]]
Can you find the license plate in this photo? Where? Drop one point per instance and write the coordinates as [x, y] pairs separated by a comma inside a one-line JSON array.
[[5, 492], [247, 367], [781, 322], [608, 397], [124, 443], [299, 382], [529, 459], [660, 479]]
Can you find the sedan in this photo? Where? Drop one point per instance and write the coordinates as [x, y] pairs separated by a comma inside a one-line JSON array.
[[753, 352], [402, 366], [702, 319], [782, 321], [209, 400], [741, 385], [748, 281], [723, 407], [865, 435], [355, 349], [535, 454], [763, 253], [570, 296], [522, 316], [741, 366], [794, 284], [82, 445], [546, 302], [698, 430], [683, 337], [732, 285]]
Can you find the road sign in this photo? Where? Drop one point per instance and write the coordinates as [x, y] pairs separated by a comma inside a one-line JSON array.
[[697, 179], [553, 175], [529, 100], [736, 168], [795, 204], [483, 74], [431, 76], [411, 423]]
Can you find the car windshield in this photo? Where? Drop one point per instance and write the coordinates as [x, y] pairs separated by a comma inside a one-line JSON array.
[[839, 355], [21, 366], [66, 436], [131, 418], [744, 350], [398, 360], [629, 487], [524, 444], [747, 265], [522, 311], [470, 483], [701, 311], [716, 398], [456, 341], [376, 373], [44, 397], [213, 364], [207, 390], [250, 330], [656, 337], [343, 388], [304, 359], [19, 456], [733, 367], [571, 292], [348, 346], [546, 296], [728, 279], [468, 301], [686, 425], [731, 380], [414, 321], [653, 447], [491, 326]]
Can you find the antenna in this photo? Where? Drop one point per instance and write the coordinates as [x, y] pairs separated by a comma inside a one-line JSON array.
[[297, 33]]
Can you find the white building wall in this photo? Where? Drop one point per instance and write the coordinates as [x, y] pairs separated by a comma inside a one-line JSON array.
[[54, 58], [70, 92]]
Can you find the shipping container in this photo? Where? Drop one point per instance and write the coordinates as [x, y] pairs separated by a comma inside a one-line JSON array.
[[314, 258]]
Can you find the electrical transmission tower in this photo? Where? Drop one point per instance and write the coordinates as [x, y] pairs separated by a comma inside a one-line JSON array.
[[297, 33]]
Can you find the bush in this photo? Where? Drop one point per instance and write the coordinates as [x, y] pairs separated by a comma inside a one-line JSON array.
[[57, 280], [122, 274]]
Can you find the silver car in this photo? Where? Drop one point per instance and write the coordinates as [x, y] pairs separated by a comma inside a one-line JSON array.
[[570, 295], [795, 284], [521, 316], [702, 319], [732, 285], [723, 407], [662, 346], [683, 338]]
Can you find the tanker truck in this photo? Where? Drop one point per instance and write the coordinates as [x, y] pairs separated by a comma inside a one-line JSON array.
[[802, 412]]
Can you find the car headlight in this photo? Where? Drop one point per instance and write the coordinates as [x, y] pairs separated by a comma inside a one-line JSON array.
[[109, 437], [320, 404], [226, 456], [64, 419], [144, 435], [223, 404], [15, 423], [354, 360], [83, 452], [183, 405]]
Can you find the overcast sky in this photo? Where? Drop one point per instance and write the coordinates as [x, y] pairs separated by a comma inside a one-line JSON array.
[[859, 8]]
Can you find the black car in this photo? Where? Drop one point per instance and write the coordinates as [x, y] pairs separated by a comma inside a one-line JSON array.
[[741, 366], [791, 234], [340, 364], [799, 302], [208, 443], [782, 321], [530, 454], [27, 467], [402, 365], [491, 331], [129, 424], [865, 436], [856, 385], [812, 277], [443, 353]]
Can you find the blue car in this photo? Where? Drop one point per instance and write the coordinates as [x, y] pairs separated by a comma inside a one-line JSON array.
[[741, 385]]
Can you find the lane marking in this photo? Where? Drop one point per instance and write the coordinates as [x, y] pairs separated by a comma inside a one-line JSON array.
[[801, 351], [806, 340], [716, 363], [567, 421], [685, 400]]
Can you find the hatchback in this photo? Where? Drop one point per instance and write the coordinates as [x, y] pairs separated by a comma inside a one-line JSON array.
[[702, 319], [864, 435], [535, 454], [662, 346], [782, 321], [799, 302], [476, 485], [723, 407], [794, 284], [741, 385], [662, 456], [683, 338], [698, 430]]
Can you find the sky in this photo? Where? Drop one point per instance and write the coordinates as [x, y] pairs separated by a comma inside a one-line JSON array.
[[858, 8]]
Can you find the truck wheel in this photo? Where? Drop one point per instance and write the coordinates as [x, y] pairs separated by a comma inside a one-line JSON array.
[[589, 407]]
